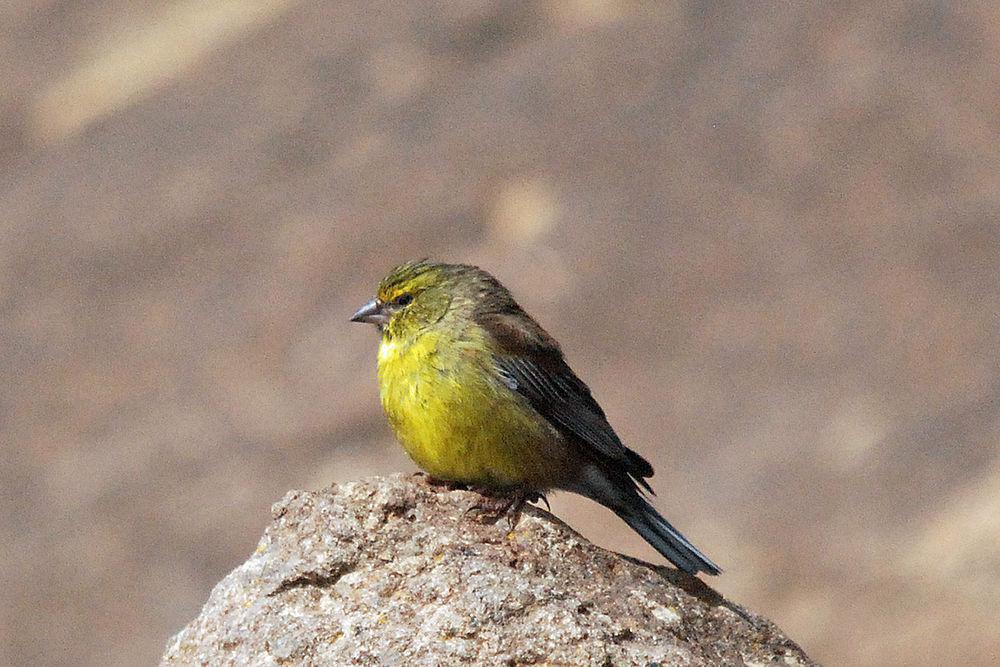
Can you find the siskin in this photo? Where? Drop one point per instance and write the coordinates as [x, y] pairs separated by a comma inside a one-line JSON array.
[[479, 394]]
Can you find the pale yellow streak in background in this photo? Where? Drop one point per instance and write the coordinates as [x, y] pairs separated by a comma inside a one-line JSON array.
[[128, 62]]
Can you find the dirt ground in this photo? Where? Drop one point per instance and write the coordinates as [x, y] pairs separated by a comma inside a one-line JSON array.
[[765, 233]]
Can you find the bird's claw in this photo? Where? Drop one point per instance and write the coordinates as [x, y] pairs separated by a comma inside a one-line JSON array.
[[492, 508], [535, 497]]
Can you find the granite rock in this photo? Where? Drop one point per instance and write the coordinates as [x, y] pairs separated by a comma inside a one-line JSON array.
[[395, 571]]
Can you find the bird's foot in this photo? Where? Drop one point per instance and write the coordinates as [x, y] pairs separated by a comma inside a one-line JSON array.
[[538, 495], [491, 507]]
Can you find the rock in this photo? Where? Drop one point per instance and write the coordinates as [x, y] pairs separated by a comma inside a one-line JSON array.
[[392, 571]]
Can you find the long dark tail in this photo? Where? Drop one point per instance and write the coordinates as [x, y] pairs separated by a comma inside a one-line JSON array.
[[624, 500], [645, 520]]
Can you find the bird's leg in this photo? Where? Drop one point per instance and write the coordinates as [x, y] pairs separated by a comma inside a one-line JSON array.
[[492, 507]]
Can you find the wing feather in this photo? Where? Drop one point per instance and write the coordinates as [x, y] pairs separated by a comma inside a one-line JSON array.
[[530, 362]]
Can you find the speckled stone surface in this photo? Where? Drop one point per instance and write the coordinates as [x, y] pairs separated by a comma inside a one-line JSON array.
[[391, 571]]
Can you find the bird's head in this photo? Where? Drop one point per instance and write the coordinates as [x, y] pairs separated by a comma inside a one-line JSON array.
[[418, 295]]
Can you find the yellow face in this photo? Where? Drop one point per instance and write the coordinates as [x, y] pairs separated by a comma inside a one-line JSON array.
[[411, 298]]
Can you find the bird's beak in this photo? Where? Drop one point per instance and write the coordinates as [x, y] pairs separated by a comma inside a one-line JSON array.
[[372, 313]]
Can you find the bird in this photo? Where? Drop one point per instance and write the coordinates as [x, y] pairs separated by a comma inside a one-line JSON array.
[[480, 395]]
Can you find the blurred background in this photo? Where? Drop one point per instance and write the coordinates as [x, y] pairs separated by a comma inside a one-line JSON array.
[[765, 233]]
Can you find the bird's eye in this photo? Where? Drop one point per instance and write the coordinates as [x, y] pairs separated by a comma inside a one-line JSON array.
[[403, 299]]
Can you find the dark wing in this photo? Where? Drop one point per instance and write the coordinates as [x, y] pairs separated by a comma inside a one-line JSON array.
[[531, 363]]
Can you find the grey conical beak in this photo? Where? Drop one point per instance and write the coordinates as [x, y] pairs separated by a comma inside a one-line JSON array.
[[371, 313]]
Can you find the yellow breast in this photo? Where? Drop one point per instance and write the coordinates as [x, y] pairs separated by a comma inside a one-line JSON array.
[[453, 416]]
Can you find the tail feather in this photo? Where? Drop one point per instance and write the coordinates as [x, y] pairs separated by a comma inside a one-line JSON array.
[[620, 494], [650, 524]]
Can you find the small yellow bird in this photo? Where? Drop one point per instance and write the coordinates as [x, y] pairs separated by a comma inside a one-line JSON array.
[[479, 394]]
